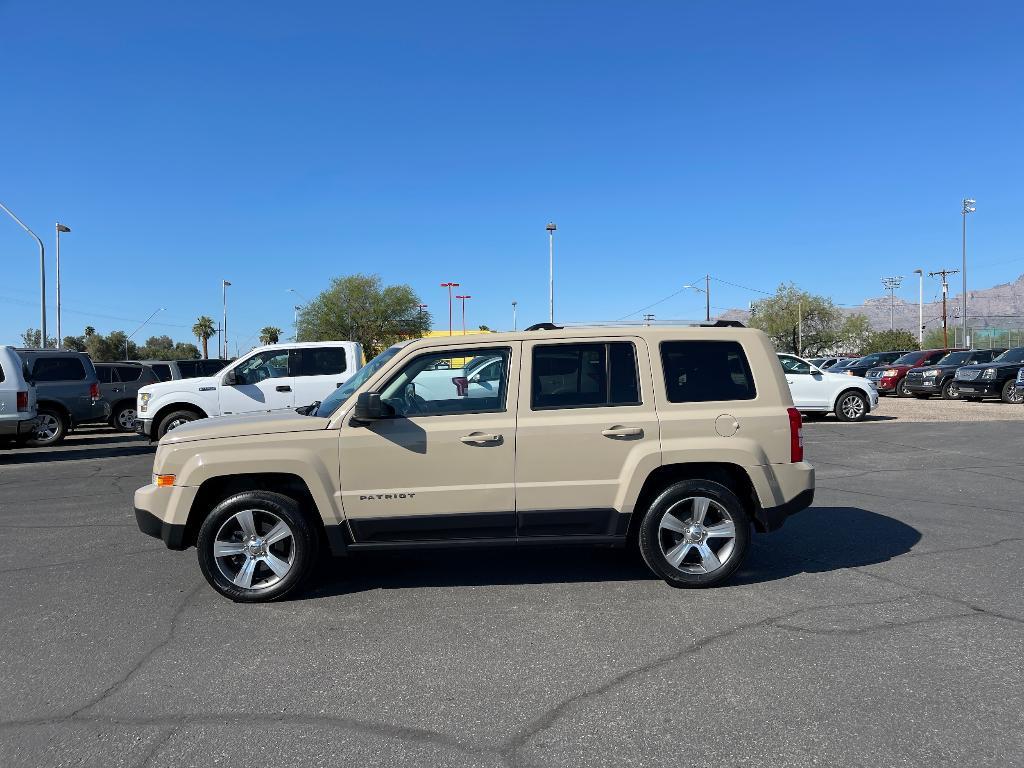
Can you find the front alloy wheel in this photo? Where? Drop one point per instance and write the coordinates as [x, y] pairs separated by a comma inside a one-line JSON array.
[[951, 390], [852, 406]]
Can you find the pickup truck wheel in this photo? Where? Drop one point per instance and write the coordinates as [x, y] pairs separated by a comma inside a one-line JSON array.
[[1011, 394], [174, 420], [951, 390], [695, 534], [52, 429], [851, 406], [256, 546]]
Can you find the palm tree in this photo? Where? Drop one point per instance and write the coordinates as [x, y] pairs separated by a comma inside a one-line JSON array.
[[270, 335], [204, 330], [89, 331]]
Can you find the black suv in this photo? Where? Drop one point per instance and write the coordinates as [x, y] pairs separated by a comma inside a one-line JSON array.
[[995, 379], [861, 366], [940, 379]]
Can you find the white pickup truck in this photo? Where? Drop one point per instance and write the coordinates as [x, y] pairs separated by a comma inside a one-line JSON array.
[[272, 378]]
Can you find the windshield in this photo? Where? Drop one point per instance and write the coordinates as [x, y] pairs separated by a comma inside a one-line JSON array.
[[334, 400], [908, 359], [955, 358], [1011, 356]]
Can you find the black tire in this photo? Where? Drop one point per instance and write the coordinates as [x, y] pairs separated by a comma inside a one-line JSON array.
[[175, 419], [52, 430], [299, 550], [678, 499], [951, 390], [901, 388], [847, 410], [1010, 393], [123, 417]]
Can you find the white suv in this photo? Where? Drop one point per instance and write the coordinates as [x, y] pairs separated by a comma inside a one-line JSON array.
[[17, 398], [272, 378], [851, 398]]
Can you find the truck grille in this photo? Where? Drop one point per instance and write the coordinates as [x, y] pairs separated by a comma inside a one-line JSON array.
[[967, 374], [915, 377]]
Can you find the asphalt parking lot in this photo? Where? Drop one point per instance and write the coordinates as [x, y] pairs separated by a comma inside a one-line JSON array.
[[881, 627]]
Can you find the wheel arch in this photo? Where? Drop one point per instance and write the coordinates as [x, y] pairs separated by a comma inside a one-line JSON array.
[[55, 405], [180, 405]]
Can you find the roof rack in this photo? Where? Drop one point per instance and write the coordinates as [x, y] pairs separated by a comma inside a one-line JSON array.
[[721, 324], [544, 327]]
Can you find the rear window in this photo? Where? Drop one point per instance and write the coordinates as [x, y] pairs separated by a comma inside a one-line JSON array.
[[189, 369], [162, 370], [58, 369], [584, 375], [317, 361], [703, 371], [129, 372]]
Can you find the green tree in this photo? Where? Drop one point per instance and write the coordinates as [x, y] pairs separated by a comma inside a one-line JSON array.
[[889, 341], [359, 308], [77, 343], [31, 336], [853, 333], [105, 349], [790, 311], [484, 328], [204, 330], [89, 330], [270, 335], [933, 338]]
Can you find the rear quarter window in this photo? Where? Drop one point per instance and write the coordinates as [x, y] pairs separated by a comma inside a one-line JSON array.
[[317, 361], [58, 369], [705, 371]]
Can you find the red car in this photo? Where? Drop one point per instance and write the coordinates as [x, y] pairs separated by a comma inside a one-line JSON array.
[[892, 378]]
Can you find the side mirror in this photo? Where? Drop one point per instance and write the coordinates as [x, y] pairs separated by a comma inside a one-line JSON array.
[[369, 407], [230, 379]]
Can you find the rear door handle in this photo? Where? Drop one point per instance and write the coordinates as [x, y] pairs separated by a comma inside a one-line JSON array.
[[283, 388], [474, 438], [622, 431]]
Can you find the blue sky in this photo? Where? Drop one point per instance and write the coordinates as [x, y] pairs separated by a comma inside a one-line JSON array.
[[281, 144]]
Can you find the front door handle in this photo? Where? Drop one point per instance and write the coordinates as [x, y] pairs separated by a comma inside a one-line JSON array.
[[476, 438], [618, 431], [283, 388]]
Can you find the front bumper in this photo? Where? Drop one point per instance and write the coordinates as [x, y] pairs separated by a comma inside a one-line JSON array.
[[927, 386], [163, 513], [144, 426], [12, 428], [979, 388], [886, 384]]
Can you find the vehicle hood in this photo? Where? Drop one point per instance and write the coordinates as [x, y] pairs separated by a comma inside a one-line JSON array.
[[983, 366], [903, 368], [244, 425], [179, 385], [941, 368]]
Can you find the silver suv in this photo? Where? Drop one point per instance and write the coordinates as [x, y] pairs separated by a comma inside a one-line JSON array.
[[680, 440]]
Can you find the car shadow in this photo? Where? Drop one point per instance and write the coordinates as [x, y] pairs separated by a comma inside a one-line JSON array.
[[816, 540], [39, 456]]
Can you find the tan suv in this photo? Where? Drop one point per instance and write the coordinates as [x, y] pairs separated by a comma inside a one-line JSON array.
[[680, 439]]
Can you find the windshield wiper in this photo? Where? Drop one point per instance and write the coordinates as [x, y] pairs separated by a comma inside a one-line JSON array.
[[308, 410]]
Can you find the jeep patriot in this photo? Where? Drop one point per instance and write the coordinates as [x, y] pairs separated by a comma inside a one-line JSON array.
[[678, 440]]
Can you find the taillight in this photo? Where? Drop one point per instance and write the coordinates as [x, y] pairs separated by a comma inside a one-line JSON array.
[[23, 401], [94, 391], [796, 436]]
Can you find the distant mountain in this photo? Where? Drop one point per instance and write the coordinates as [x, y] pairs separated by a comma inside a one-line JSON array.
[[1001, 306]]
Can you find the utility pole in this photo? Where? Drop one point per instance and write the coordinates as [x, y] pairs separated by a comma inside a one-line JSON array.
[[60, 228], [800, 328], [515, 306], [449, 285], [968, 207], [707, 298], [920, 306], [648, 318], [551, 270], [463, 300], [224, 321], [891, 284], [42, 275], [945, 289]]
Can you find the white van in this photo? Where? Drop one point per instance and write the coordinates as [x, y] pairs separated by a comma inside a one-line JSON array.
[[272, 378], [18, 416]]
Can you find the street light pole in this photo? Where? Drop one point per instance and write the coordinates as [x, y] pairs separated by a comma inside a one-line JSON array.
[[60, 228], [968, 207], [449, 286], [707, 298], [224, 322], [42, 277], [920, 306], [129, 337], [463, 298], [551, 270], [515, 306], [891, 284]]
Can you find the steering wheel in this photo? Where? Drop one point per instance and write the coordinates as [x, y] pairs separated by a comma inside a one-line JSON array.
[[413, 402]]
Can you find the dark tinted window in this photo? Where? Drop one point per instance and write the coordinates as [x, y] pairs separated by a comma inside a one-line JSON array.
[[189, 369], [210, 367], [584, 375], [162, 370], [317, 361], [105, 374], [58, 369], [932, 358], [1012, 356], [701, 371], [129, 372]]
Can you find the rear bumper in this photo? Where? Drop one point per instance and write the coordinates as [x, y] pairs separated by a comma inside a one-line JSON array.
[[782, 490], [12, 428], [772, 518]]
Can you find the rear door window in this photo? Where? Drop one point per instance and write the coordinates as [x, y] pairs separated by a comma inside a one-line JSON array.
[[128, 373], [584, 375], [704, 371], [58, 369], [162, 370], [105, 374]]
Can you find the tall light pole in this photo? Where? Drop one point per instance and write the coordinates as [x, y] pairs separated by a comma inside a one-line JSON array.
[[224, 322], [128, 338], [42, 277], [968, 207], [920, 306], [515, 306], [551, 270], [463, 298], [295, 320], [449, 286], [60, 228], [706, 290], [891, 284]]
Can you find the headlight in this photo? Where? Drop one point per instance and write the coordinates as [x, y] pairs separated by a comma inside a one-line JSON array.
[[889, 372], [990, 373], [931, 374], [144, 401]]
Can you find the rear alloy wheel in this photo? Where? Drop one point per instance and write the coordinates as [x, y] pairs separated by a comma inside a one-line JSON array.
[[52, 429], [256, 546], [951, 390], [1011, 394], [123, 419], [695, 534], [851, 406]]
